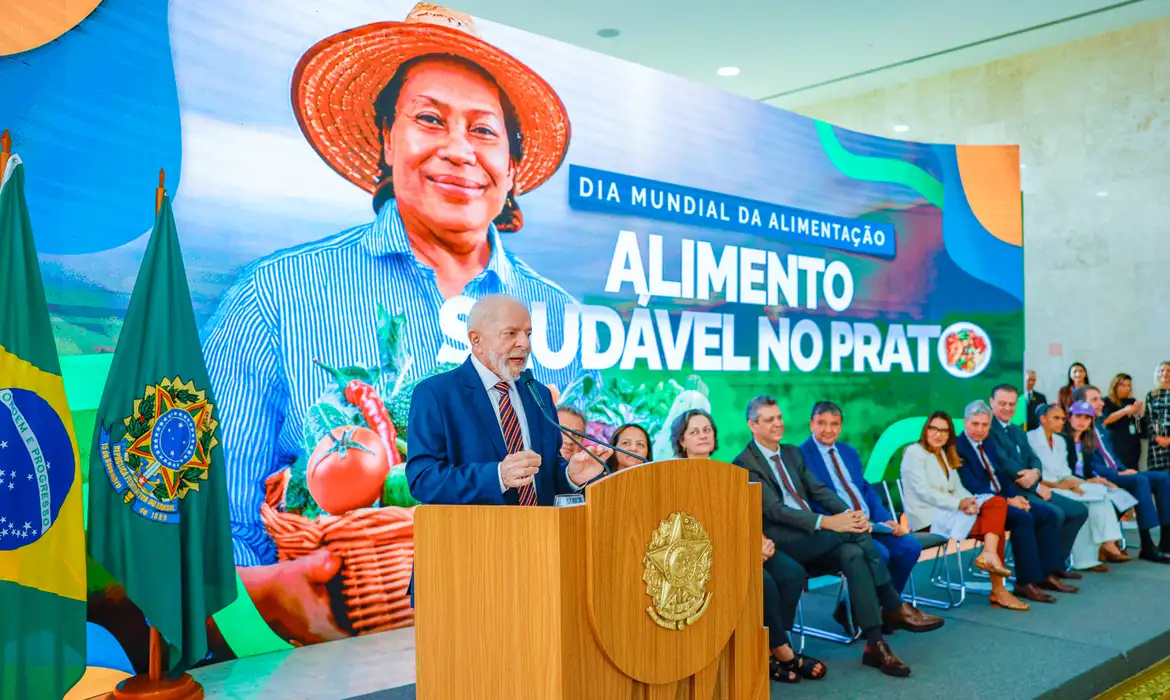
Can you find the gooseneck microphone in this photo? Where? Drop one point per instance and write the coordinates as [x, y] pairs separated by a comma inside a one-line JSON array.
[[529, 381]]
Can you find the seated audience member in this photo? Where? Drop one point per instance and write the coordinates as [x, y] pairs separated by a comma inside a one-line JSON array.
[[631, 437], [1078, 377], [569, 416], [1035, 534], [1018, 460], [1097, 541], [838, 466], [934, 492], [1033, 399], [1157, 421], [1150, 488], [694, 436], [836, 542], [1121, 416]]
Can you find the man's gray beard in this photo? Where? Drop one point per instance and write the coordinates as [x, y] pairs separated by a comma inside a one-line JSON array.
[[499, 364]]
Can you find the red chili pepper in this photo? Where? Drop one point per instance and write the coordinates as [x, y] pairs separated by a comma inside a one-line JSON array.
[[366, 398], [372, 408]]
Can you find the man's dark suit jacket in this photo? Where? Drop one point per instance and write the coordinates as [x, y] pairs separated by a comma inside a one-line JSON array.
[[781, 523], [1037, 400], [1013, 450], [974, 475], [455, 445]]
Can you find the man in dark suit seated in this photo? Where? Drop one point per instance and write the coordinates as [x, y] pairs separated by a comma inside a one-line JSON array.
[[1035, 532], [476, 437], [838, 466], [1034, 400], [1019, 460], [838, 541]]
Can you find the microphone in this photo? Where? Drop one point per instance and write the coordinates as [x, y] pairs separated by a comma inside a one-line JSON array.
[[529, 381]]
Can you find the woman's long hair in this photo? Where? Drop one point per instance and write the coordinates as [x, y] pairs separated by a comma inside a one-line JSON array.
[[617, 435], [1088, 437], [1066, 392], [1121, 377], [949, 450]]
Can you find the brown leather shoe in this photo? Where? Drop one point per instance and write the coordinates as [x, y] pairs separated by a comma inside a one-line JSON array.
[[880, 657], [1032, 592], [1098, 569], [1070, 575], [909, 618], [1052, 583]]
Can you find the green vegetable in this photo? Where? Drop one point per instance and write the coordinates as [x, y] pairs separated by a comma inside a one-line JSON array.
[[615, 400], [296, 495]]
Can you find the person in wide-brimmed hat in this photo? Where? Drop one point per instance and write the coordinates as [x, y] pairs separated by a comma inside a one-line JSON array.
[[446, 132], [426, 113]]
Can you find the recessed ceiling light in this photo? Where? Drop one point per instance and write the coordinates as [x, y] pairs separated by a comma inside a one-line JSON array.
[[901, 128], [1102, 193], [608, 33], [728, 71]]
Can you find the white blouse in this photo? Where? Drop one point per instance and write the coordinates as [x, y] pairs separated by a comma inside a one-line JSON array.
[[1054, 459], [928, 485]]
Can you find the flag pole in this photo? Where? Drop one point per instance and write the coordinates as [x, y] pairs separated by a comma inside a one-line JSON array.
[[154, 686], [156, 640], [5, 151]]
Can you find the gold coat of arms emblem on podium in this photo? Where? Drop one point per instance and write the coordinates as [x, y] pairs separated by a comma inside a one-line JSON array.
[[677, 569]]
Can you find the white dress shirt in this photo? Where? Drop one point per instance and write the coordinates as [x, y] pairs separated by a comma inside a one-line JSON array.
[[1053, 459], [490, 379], [789, 500], [842, 490]]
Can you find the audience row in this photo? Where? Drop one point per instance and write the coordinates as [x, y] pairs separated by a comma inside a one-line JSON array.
[[1057, 491]]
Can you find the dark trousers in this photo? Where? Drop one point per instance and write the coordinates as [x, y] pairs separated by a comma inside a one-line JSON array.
[[1070, 517], [900, 555], [851, 554], [784, 582], [1149, 488], [1035, 542]]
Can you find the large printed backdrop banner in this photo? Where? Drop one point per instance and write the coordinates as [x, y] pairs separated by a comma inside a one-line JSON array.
[[679, 247]]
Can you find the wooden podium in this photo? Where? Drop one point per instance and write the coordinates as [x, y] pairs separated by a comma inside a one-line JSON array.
[[575, 603]]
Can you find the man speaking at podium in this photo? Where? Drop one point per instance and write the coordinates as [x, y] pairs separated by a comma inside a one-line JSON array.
[[477, 435]]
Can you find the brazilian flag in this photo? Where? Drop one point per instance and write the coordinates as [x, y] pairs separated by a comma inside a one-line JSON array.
[[42, 537]]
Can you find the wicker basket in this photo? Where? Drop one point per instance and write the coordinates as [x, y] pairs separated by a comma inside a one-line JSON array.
[[376, 546]]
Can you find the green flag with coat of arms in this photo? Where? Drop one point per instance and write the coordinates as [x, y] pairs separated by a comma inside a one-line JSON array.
[[158, 517]]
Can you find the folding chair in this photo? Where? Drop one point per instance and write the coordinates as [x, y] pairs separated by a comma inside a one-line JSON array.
[[940, 572], [800, 628]]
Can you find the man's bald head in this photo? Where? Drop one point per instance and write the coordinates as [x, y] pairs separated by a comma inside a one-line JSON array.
[[498, 328]]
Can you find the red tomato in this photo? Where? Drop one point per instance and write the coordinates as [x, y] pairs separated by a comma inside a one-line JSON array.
[[347, 469]]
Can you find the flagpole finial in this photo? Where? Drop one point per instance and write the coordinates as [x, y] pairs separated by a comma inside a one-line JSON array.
[[161, 191]]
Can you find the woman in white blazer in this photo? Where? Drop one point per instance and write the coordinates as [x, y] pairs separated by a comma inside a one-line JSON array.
[[934, 493]]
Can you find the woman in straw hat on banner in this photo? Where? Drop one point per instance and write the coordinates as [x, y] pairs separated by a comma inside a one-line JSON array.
[[445, 131]]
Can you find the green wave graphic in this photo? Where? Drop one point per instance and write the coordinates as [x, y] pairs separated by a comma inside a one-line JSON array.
[[871, 169]]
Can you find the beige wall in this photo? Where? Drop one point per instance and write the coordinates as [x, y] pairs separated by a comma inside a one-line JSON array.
[[1090, 116]]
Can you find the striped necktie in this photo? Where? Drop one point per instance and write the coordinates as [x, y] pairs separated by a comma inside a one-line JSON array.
[[514, 439]]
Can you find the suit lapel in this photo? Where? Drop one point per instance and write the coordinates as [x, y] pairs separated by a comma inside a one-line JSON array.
[[789, 466], [481, 406], [762, 466]]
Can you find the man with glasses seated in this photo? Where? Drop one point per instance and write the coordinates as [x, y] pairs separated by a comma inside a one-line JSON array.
[[838, 466], [838, 541]]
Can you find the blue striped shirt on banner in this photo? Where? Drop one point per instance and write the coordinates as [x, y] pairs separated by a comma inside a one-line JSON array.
[[318, 301]]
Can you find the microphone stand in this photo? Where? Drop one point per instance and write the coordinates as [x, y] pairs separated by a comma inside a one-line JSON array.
[[529, 381]]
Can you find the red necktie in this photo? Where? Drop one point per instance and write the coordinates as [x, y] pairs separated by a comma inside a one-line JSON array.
[[514, 439], [787, 483], [987, 466], [844, 483]]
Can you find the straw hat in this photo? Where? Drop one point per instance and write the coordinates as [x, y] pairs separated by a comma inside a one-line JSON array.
[[337, 81]]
